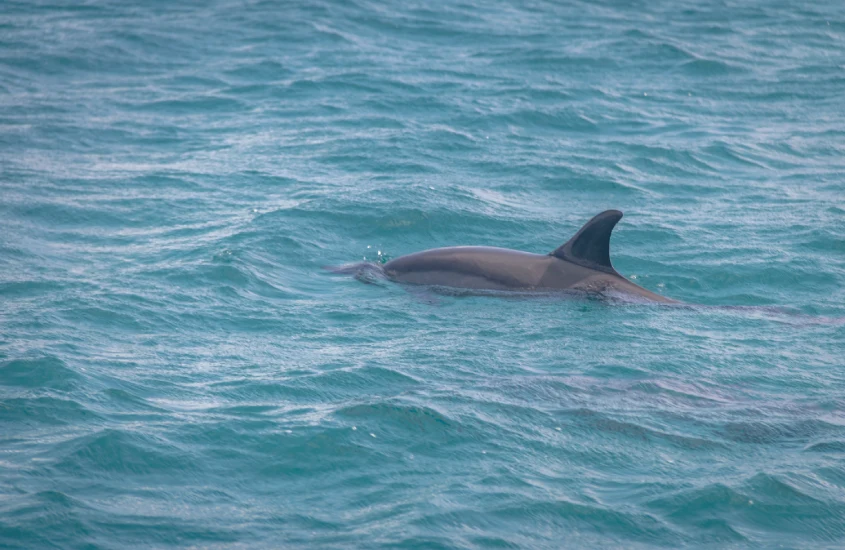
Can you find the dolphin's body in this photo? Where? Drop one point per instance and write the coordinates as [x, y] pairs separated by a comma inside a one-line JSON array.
[[582, 263]]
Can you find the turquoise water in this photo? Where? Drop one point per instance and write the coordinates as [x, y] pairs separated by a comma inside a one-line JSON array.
[[178, 370]]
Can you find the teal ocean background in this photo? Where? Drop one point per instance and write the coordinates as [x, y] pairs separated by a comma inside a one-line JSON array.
[[178, 370]]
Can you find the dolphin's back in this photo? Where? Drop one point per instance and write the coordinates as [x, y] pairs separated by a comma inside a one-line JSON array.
[[582, 263], [481, 267]]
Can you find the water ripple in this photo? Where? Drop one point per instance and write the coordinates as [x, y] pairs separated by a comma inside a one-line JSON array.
[[178, 369]]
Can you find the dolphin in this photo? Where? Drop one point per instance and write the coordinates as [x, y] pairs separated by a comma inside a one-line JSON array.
[[580, 264]]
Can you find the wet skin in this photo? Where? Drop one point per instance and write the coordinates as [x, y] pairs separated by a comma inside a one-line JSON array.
[[583, 263]]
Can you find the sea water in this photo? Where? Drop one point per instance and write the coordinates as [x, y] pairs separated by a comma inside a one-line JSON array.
[[178, 369]]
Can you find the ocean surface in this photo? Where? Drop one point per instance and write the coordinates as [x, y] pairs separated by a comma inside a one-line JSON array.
[[178, 369]]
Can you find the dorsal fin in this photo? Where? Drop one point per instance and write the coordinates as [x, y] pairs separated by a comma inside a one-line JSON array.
[[590, 247]]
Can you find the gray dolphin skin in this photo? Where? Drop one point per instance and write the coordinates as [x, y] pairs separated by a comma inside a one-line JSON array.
[[582, 263]]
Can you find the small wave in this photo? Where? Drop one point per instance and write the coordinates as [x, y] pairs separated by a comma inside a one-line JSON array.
[[592, 420], [264, 70], [628, 526], [837, 447], [773, 431], [38, 373], [115, 452], [713, 511], [710, 68], [51, 411], [199, 105]]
